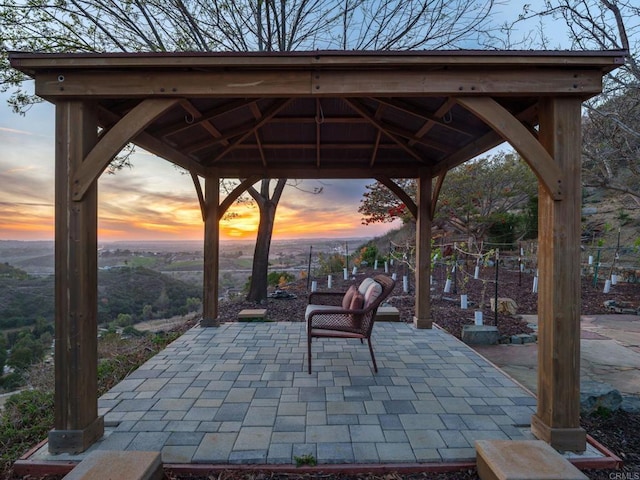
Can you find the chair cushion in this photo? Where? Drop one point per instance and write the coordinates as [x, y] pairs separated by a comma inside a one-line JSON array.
[[357, 301], [362, 288], [373, 292], [348, 296], [310, 308]]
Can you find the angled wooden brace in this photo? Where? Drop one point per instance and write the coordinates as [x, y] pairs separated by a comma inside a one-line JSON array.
[[115, 139], [526, 144]]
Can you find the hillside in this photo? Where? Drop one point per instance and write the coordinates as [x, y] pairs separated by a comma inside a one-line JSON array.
[[136, 291]]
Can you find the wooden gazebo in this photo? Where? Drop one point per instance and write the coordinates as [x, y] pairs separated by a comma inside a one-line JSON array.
[[381, 115]]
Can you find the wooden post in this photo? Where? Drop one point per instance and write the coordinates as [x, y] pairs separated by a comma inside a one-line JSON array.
[[422, 317], [211, 253], [557, 420], [76, 424]]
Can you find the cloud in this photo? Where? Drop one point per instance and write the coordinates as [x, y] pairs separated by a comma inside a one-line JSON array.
[[152, 200], [14, 131]]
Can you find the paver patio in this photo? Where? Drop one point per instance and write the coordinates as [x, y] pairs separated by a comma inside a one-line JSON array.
[[240, 394]]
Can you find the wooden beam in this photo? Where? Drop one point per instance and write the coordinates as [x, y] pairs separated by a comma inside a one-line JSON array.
[[548, 172], [131, 84], [76, 421], [557, 419], [326, 171], [302, 83], [478, 146], [112, 141], [601, 60], [400, 193], [422, 318], [211, 253]]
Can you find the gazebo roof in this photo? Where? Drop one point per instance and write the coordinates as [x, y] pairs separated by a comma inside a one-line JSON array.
[[318, 114]]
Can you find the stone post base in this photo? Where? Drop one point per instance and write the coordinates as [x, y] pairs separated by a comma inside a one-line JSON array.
[[422, 322], [76, 441], [210, 322], [562, 439]]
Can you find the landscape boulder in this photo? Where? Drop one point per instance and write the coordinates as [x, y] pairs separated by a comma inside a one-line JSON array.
[[630, 403], [598, 395], [507, 306]]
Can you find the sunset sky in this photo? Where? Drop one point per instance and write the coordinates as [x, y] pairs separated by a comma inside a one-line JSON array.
[[153, 200]]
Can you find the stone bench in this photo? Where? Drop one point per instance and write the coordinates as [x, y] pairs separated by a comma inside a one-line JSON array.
[[105, 464], [387, 314], [252, 315], [523, 460]]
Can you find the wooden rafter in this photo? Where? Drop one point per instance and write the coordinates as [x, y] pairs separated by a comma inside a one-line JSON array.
[[375, 149], [196, 116], [439, 114], [257, 114], [271, 112], [434, 118], [359, 108], [202, 118]]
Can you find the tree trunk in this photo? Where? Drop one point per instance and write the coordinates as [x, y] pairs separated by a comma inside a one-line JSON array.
[[258, 284], [267, 205]]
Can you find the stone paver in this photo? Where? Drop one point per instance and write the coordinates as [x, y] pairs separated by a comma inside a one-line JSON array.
[[240, 394]]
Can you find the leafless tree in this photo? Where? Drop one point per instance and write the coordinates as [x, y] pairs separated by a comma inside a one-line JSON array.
[[245, 25], [611, 127]]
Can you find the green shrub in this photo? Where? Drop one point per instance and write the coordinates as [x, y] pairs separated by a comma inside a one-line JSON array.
[[330, 263], [11, 381], [278, 278], [26, 419]]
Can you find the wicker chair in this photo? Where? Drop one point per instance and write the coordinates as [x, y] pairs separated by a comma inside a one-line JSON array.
[[347, 315]]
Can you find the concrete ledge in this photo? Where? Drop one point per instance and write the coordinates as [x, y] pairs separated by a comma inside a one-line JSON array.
[[523, 460], [105, 464], [252, 315], [387, 314], [480, 334]]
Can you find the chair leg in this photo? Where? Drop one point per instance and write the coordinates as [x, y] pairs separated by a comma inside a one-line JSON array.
[[309, 352], [373, 358]]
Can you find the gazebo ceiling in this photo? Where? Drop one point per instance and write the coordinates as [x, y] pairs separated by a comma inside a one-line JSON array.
[[317, 114]]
